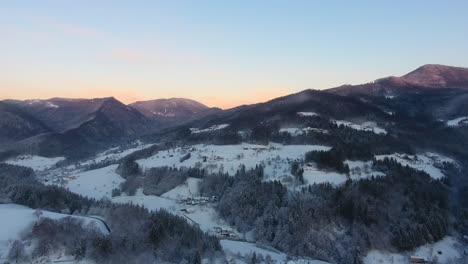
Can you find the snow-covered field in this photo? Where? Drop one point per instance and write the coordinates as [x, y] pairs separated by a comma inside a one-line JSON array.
[[245, 250], [242, 252], [150, 202], [460, 121], [228, 158], [295, 131], [95, 183], [312, 175], [16, 220], [358, 170], [36, 163], [188, 189], [204, 216], [115, 153], [361, 170], [445, 251], [366, 126], [427, 162], [210, 129]]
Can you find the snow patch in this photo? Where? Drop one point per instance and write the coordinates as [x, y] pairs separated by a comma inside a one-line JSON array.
[[51, 105], [366, 126], [210, 129], [309, 114], [460, 121], [294, 131]]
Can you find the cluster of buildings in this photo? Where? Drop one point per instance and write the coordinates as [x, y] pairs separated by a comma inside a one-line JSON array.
[[225, 233], [198, 200]]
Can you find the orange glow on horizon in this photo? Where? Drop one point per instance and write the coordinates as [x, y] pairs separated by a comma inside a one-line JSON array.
[[128, 96]]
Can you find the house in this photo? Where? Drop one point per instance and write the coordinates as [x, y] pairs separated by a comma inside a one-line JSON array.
[[224, 232], [414, 259], [187, 210]]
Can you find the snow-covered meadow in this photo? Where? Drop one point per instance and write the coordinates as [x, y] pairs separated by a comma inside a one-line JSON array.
[[361, 170], [96, 184], [445, 251], [276, 158], [427, 162], [17, 220], [242, 252], [115, 153], [202, 215]]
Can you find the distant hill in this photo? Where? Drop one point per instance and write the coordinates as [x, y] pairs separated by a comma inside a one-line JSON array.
[[61, 114], [17, 125], [437, 76], [431, 76], [77, 125], [173, 111]]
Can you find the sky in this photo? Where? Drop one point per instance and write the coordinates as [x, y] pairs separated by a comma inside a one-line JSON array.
[[221, 53]]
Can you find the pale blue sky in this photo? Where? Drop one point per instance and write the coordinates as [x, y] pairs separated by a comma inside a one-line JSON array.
[[222, 53]]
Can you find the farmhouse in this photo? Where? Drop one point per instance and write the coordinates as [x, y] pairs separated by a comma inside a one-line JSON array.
[[415, 259]]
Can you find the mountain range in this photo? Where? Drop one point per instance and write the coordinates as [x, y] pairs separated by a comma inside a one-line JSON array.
[[65, 125], [364, 173]]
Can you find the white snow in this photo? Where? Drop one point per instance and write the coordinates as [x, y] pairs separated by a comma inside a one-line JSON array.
[[427, 162], [445, 251], [36, 163], [204, 216], [242, 252], [366, 126], [246, 249], [95, 183], [358, 170], [207, 218], [313, 175], [307, 114], [51, 105], [188, 189], [361, 170], [382, 257], [115, 154], [150, 202], [210, 129], [16, 220], [275, 158], [165, 113], [460, 121], [295, 131]]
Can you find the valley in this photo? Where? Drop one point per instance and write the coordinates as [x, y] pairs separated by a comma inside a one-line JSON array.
[[355, 174]]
